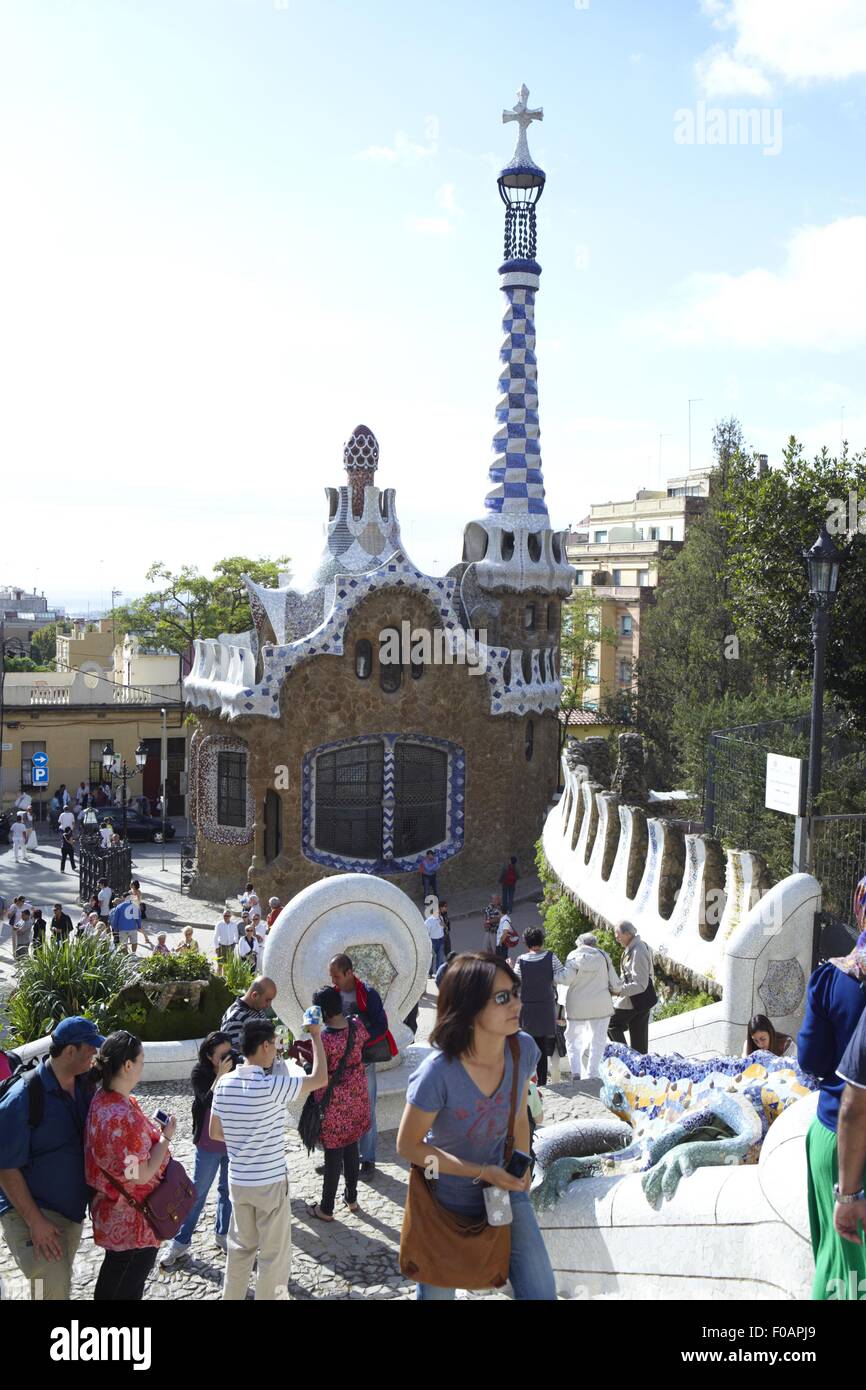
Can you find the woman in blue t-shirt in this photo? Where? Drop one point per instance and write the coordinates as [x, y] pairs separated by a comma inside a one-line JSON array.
[[458, 1104]]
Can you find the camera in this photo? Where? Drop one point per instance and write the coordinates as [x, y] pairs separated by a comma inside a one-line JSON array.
[[236, 1058]]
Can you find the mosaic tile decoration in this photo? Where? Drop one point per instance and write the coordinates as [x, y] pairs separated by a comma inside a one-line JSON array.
[[782, 988], [207, 682], [518, 485], [372, 964], [673, 1104], [388, 864], [205, 776]]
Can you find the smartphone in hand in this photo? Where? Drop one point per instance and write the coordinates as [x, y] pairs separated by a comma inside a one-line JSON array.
[[518, 1164]]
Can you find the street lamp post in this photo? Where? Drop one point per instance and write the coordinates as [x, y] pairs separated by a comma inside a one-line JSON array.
[[823, 562], [116, 768]]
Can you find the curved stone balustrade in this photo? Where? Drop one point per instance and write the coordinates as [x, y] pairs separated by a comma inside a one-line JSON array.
[[728, 932]]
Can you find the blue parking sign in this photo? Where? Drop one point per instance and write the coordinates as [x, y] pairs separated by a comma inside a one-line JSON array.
[[40, 776]]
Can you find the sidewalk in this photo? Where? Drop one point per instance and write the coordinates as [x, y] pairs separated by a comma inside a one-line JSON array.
[[170, 911]]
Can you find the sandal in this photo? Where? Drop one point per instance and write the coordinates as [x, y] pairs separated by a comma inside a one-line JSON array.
[[316, 1211], [350, 1206]]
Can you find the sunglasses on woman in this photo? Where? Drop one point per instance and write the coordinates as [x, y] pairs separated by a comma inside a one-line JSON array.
[[504, 996]]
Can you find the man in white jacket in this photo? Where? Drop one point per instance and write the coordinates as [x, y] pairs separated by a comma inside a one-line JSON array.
[[591, 981]]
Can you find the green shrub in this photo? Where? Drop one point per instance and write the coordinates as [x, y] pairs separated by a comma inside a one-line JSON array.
[[183, 965], [608, 942], [132, 1017], [681, 1004], [563, 924], [182, 1021], [238, 974], [549, 881], [76, 976]]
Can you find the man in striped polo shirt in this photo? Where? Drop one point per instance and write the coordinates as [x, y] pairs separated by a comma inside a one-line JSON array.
[[249, 1115]]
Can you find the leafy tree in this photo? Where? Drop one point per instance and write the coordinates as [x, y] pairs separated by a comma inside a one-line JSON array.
[[772, 517], [191, 605], [582, 632], [691, 653], [43, 645]]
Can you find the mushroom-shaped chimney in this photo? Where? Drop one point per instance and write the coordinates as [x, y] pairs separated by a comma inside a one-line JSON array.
[[360, 460]]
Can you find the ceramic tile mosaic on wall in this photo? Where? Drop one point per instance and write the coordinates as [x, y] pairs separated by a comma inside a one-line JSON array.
[[206, 774]]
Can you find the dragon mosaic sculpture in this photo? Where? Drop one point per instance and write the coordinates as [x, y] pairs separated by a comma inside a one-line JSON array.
[[683, 1114]]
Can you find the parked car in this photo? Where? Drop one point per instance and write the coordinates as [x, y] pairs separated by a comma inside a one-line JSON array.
[[138, 827]]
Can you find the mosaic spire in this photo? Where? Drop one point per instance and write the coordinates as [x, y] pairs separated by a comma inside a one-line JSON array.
[[513, 546], [517, 492]]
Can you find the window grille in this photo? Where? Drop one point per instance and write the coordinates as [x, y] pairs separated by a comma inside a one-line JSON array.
[[232, 789]]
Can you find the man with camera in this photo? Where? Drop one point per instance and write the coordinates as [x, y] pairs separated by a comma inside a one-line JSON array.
[[249, 1115]]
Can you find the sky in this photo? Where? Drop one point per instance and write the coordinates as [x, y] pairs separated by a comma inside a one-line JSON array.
[[235, 229]]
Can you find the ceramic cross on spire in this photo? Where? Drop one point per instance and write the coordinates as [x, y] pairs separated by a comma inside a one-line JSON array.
[[521, 113]]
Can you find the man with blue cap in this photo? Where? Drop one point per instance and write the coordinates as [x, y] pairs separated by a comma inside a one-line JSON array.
[[43, 1195]]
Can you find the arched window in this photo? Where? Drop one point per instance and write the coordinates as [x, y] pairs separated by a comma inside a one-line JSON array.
[[273, 825], [529, 617], [390, 668], [363, 659], [378, 803], [533, 545], [529, 740]]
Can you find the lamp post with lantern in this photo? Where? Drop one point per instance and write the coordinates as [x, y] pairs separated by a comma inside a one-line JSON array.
[[118, 770], [823, 562]]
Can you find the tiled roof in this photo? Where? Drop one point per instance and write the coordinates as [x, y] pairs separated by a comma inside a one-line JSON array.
[[584, 716]]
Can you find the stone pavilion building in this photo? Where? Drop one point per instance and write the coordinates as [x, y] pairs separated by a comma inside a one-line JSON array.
[[331, 737]]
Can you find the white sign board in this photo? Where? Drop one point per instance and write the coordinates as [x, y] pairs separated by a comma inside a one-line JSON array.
[[7, 747], [784, 784]]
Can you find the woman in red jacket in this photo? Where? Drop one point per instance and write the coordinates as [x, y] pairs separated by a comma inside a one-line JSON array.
[[125, 1152]]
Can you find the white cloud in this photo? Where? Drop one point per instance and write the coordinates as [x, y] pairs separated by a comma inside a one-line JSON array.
[[723, 75], [446, 198], [405, 151], [815, 300], [796, 41], [430, 226]]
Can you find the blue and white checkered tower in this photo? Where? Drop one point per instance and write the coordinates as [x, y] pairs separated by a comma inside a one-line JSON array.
[[513, 546]]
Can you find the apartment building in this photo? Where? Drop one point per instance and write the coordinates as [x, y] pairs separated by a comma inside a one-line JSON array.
[[616, 552], [21, 615]]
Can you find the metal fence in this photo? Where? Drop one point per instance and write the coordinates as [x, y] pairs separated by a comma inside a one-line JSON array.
[[95, 863], [187, 864], [734, 793], [839, 849]]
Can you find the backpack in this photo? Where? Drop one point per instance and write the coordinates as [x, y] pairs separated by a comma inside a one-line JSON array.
[[28, 1073]]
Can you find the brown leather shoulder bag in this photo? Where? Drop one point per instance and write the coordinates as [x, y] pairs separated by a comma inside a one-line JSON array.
[[449, 1251]]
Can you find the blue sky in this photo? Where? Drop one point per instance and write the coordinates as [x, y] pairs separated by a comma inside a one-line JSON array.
[[234, 229]]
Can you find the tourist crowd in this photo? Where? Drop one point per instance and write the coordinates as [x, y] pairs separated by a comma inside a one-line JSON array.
[[73, 1135]]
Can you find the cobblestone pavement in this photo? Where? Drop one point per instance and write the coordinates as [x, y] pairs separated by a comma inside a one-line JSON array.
[[355, 1257]]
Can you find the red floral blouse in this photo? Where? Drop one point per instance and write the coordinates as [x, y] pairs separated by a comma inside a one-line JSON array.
[[119, 1136], [348, 1114]]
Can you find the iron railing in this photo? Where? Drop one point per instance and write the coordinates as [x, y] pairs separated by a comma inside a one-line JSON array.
[[95, 863]]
